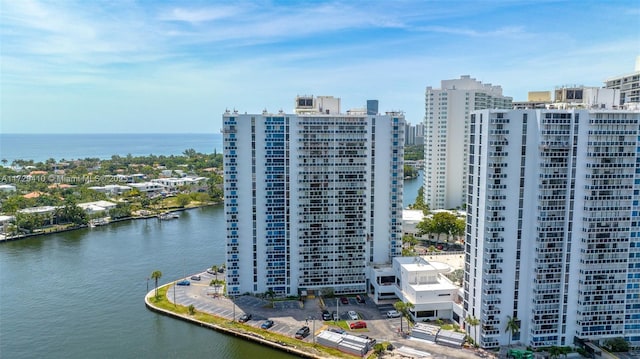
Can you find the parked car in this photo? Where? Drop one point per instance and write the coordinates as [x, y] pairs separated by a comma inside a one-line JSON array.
[[184, 282], [360, 298], [358, 325], [211, 271], [267, 324], [335, 315], [302, 332], [245, 318], [344, 300], [393, 314], [337, 330], [326, 315], [196, 277], [353, 315]]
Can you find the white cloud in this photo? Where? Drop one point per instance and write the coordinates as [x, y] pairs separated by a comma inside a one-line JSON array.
[[199, 15]]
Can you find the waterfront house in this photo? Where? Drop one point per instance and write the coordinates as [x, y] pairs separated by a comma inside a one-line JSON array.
[[112, 189], [97, 206]]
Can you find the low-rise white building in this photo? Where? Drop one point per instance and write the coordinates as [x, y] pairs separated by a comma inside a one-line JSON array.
[[148, 187], [410, 220], [97, 206], [174, 183], [420, 282], [112, 189], [39, 210], [423, 284]]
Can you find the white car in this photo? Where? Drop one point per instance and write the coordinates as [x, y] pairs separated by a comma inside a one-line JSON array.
[[353, 315], [393, 314]]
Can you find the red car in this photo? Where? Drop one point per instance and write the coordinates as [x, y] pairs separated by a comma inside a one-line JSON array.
[[358, 325], [344, 300]]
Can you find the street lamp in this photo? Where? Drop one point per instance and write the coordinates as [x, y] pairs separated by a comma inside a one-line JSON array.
[[313, 333], [234, 309]]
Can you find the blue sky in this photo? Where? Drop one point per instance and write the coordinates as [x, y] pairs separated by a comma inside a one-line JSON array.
[[145, 66]]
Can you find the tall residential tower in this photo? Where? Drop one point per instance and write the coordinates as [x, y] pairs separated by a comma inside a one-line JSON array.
[[446, 135], [553, 226], [311, 198]]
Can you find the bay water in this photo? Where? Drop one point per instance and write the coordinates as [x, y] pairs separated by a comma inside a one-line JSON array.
[[79, 294]]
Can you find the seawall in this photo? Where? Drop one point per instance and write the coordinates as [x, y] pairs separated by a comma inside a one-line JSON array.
[[228, 331]]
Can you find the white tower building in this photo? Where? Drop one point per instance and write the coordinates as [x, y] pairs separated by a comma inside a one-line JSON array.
[[446, 132], [629, 86], [553, 226], [311, 198]]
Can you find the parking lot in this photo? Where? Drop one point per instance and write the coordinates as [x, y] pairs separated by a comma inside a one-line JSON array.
[[291, 315]]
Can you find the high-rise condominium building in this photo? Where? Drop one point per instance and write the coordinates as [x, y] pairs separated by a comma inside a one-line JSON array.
[[629, 86], [553, 226], [446, 132], [311, 198]]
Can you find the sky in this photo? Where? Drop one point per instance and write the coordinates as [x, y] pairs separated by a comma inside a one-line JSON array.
[[175, 67]]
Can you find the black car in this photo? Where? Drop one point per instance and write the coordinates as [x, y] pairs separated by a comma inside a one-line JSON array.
[[303, 332], [267, 324], [326, 315], [245, 318]]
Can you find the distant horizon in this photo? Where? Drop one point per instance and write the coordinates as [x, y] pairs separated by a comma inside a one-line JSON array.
[[40, 147]]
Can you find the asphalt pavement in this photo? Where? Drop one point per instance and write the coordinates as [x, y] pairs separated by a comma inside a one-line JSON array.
[[291, 315]]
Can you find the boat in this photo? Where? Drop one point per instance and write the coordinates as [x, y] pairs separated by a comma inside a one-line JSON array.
[[167, 216], [98, 222]]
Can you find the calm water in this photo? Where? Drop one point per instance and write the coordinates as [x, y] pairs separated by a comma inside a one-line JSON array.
[[80, 294], [41, 147], [411, 189]]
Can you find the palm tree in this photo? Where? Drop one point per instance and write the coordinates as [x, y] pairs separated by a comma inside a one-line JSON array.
[[156, 274], [407, 307], [400, 307], [271, 294], [214, 268], [513, 326], [474, 322]]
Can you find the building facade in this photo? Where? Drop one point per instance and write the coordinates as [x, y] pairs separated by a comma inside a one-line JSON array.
[[446, 133], [552, 239], [311, 198], [629, 86]]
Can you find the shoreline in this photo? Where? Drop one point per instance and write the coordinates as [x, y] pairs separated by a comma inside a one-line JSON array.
[[227, 331], [45, 233]]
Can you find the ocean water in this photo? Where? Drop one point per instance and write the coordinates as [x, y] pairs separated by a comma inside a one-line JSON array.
[[40, 147]]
